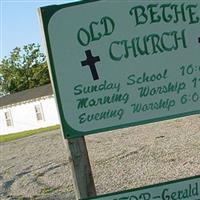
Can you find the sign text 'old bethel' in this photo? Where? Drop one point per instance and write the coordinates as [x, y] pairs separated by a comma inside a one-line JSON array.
[[123, 63]]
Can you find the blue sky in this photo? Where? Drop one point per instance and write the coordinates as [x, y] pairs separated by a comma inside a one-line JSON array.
[[19, 24]]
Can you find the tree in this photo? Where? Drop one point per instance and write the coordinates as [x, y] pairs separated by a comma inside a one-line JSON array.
[[24, 69]]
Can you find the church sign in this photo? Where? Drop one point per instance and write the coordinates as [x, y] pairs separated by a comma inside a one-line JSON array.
[[117, 64]]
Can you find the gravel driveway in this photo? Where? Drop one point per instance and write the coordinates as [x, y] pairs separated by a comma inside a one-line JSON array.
[[36, 167]]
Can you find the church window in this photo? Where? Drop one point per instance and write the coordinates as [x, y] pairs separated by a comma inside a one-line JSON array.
[[39, 113], [8, 117]]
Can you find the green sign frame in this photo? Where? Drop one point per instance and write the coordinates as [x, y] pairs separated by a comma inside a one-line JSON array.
[[187, 188], [189, 102]]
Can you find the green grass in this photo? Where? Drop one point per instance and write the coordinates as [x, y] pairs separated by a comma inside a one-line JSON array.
[[14, 136]]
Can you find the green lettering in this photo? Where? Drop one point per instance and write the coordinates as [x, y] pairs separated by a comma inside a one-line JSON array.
[[155, 18], [192, 14], [166, 17], [93, 37], [140, 15], [111, 51], [106, 21], [77, 90], [179, 14], [83, 37]]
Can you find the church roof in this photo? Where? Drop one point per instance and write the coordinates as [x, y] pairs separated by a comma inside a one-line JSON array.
[[26, 95]]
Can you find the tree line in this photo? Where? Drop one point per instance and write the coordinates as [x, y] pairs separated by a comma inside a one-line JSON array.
[[25, 68]]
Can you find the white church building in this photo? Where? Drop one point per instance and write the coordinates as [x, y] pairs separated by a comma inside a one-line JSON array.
[[27, 110]]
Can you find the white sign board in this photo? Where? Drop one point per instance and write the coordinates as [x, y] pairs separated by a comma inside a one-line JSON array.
[[116, 63]]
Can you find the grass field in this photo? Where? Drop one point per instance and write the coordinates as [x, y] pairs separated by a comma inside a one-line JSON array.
[[14, 136]]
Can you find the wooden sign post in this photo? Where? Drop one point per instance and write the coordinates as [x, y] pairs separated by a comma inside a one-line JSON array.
[[81, 169], [116, 64]]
